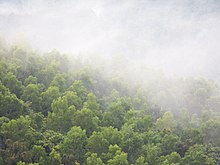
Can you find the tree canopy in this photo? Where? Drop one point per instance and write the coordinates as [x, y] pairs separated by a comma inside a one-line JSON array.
[[57, 109]]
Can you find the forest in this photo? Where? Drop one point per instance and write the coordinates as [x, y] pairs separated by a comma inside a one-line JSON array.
[[59, 109]]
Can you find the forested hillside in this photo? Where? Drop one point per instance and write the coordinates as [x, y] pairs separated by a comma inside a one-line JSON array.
[[59, 109]]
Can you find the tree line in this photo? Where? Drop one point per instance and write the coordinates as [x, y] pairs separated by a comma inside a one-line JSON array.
[[57, 109]]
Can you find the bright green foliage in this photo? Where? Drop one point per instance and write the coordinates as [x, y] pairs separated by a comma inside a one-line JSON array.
[[173, 158], [166, 122], [50, 140], [131, 143], [48, 96], [115, 156], [151, 153], [55, 158], [30, 80], [73, 99], [56, 109], [112, 135], [3, 120], [196, 156], [19, 136], [169, 143], [32, 94], [152, 137], [113, 150], [119, 159], [59, 81], [92, 104], [23, 163], [60, 119], [93, 159], [140, 161], [80, 89], [97, 143], [73, 145], [39, 153], [19, 129], [86, 119], [143, 124], [115, 116], [37, 120], [139, 123]]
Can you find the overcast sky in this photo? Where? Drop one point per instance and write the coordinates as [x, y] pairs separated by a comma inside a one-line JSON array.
[[174, 35]]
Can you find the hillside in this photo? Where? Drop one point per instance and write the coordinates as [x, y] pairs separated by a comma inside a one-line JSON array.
[[59, 109]]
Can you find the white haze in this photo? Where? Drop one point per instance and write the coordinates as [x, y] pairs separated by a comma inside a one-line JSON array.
[[177, 36]]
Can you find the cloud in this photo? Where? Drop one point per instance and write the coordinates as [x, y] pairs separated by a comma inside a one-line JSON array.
[[177, 36]]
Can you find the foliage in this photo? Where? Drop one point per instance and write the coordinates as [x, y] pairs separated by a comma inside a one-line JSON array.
[[56, 109]]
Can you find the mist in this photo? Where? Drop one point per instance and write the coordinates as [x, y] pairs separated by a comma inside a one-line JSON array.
[[109, 82], [178, 37]]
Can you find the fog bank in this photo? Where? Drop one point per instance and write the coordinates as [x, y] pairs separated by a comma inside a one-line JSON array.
[[180, 37]]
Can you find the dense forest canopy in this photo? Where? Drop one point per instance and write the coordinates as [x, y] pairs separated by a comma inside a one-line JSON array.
[[60, 109], [129, 82]]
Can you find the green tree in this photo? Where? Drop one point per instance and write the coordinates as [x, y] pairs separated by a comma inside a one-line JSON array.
[[60, 119], [115, 116], [32, 94], [173, 158], [92, 104], [140, 161], [115, 156], [96, 143], [213, 152], [99, 142], [48, 97], [131, 143], [10, 105], [18, 137], [119, 159], [13, 84], [140, 121], [86, 119], [166, 122], [73, 145], [50, 140], [79, 89], [47, 73], [189, 137], [210, 130], [60, 82], [113, 135], [38, 153], [169, 143], [196, 155], [54, 158], [73, 99], [151, 152], [93, 159], [30, 80]]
